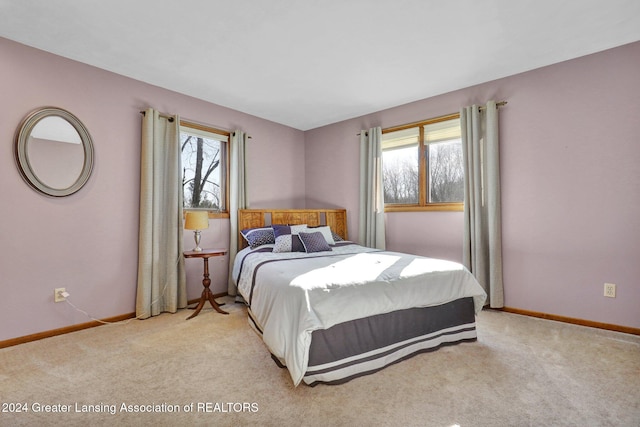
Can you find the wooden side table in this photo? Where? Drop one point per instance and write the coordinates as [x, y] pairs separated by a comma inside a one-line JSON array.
[[207, 295]]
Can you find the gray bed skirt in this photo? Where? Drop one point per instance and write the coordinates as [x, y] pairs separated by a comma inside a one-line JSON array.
[[363, 346]]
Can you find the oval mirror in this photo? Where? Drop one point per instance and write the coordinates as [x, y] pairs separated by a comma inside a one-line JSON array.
[[54, 152]]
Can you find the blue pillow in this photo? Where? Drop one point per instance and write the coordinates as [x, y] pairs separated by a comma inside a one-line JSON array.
[[258, 236], [287, 239], [314, 242]]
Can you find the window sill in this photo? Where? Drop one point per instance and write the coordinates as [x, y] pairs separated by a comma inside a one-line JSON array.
[[435, 207], [218, 215], [212, 214]]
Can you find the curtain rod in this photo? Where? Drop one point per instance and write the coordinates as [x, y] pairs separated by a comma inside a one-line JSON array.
[[166, 116], [498, 105], [172, 118]]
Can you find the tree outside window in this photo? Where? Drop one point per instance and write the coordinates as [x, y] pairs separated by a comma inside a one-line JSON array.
[[423, 166], [203, 168]]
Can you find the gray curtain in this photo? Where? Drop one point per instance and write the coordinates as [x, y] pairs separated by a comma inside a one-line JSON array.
[[161, 274], [371, 190], [482, 220], [238, 197]]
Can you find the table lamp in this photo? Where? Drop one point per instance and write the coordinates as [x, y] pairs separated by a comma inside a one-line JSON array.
[[196, 220]]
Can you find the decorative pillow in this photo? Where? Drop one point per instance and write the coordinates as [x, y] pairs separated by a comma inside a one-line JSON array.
[[326, 232], [336, 237], [314, 242], [287, 239], [258, 236]]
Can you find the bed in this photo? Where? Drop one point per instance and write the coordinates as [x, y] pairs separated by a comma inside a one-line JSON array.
[[330, 310]]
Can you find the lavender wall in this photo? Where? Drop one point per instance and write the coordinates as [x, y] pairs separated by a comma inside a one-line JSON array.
[[88, 242], [570, 163], [570, 183]]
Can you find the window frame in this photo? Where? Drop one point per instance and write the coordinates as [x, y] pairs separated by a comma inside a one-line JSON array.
[[206, 128], [423, 168]]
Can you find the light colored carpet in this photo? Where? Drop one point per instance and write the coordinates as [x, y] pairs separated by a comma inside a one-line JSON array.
[[521, 372]]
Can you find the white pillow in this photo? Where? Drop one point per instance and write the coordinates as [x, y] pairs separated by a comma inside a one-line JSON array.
[[326, 233]]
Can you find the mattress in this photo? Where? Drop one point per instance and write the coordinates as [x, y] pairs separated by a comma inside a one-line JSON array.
[[328, 298]]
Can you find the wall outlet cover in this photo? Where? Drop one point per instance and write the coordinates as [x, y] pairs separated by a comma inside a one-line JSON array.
[[610, 290], [57, 294]]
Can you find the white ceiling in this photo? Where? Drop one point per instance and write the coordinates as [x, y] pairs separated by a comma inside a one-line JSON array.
[[310, 63]]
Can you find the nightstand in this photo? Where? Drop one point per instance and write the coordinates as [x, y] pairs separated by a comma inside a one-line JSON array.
[[207, 295]]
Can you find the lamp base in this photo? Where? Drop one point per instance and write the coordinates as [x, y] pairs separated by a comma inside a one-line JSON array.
[[196, 236]]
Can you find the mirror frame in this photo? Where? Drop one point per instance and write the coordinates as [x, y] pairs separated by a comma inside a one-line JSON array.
[[22, 158]]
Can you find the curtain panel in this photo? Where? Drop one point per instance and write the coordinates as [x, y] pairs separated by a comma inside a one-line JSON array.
[[238, 196], [371, 227], [482, 246], [161, 273]]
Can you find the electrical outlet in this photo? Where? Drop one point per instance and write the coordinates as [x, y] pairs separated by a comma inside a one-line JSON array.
[[609, 290], [59, 294]]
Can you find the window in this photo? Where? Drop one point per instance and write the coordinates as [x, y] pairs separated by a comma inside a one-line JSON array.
[[422, 165], [204, 167]]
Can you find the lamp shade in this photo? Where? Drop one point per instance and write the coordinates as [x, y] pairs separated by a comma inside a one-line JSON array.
[[196, 220]]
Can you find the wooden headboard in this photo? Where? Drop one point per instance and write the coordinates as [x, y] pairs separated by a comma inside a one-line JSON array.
[[251, 218]]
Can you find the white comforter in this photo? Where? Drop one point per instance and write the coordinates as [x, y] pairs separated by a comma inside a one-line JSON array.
[[291, 299]]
